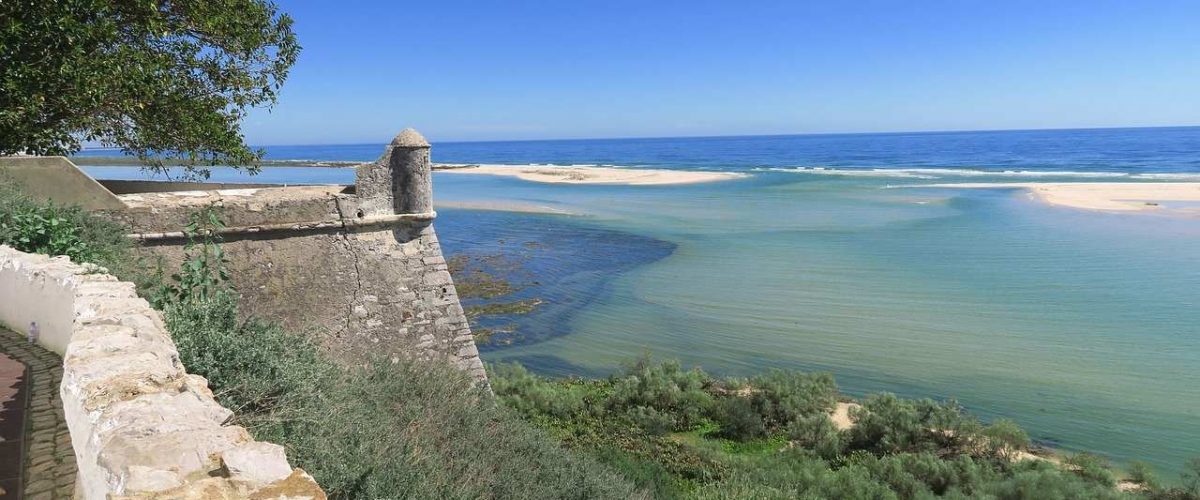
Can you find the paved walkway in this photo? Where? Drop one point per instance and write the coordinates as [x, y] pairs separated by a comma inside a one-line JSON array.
[[13, 399], [47, 460]]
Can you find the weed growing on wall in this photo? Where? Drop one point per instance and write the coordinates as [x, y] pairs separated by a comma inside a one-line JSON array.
[[53, 229], [204, 273]]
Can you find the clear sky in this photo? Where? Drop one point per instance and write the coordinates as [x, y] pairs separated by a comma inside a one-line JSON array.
[[484, 70]]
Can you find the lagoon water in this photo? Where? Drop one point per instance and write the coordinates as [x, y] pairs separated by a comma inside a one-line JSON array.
[[830, 255]]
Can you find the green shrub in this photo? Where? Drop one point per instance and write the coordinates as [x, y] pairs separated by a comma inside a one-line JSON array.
[[204, 271], [647, 473], [1039, 479], [652, 421], [531, 395], [1004, 439], [781, 397], [409, 429], [48, 228], [849, 482], [738, 419], [255, 368], [1141, 473], [1091, 467], [904, 449], [816, 433], [887, 424], [666, 387], [781, 475]]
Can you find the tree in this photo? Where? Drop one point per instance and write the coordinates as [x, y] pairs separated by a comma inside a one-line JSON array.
[[166, 80], [1005, 439]]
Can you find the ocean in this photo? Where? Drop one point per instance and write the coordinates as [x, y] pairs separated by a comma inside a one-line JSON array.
[[834, 254]]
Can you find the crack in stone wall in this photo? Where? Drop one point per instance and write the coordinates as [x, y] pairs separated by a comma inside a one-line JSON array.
[[354, 298]]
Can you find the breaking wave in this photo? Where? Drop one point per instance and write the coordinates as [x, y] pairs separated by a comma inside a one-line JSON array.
[[941, 173]]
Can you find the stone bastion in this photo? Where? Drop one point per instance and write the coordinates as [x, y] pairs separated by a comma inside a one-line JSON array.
[[358, 267]]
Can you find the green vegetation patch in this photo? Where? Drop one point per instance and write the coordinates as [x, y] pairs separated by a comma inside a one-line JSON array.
[[472, 282], [503, 308], [48, 228], [682, 433]]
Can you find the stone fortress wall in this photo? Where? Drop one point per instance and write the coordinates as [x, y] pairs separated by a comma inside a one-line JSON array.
[[358, 266]]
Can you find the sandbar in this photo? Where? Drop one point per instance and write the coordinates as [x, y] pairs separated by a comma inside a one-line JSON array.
[[593, 175], [505, 206], [1178, 198]]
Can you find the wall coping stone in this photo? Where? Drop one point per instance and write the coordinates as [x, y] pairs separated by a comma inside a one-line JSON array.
[[141, 426], [369, 221]]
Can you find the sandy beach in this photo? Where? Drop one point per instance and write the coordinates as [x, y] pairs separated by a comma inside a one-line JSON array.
[[1180, 198], [505, 206], [593, 175]]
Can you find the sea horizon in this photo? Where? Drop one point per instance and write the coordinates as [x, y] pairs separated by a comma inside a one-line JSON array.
[[1069, 152], [719, 136]]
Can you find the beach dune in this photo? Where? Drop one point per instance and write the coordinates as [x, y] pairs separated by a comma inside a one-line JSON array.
[[1179, 198], [592, 174]]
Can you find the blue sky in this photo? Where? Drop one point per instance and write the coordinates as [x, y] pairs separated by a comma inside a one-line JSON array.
[[497, 70]]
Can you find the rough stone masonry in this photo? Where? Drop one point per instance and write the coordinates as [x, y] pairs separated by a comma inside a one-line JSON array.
[[360, 267]]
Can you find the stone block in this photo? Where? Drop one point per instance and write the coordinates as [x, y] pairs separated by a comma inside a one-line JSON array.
[[256, 463], [147, 479]]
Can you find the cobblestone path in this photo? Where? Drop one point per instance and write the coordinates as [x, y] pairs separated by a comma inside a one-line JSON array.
[[48, 460]]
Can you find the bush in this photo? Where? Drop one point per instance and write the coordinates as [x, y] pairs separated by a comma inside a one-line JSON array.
[[735, 455], [647, 473], [255, 368], [1091, 467], [816, 433], [530, 395], [908, 475], [1141, 473], [52, 229], [1004, 439], [782, 397], [410, 429], [738, 419], [665, 387], [849, 482], [652, 421], [886, 424], [1042, 480], [780, 475]]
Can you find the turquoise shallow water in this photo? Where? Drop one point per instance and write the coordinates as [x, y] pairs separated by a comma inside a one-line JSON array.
[[1082, 326]]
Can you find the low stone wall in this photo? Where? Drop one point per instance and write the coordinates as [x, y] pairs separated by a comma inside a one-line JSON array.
[[141, 426]]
